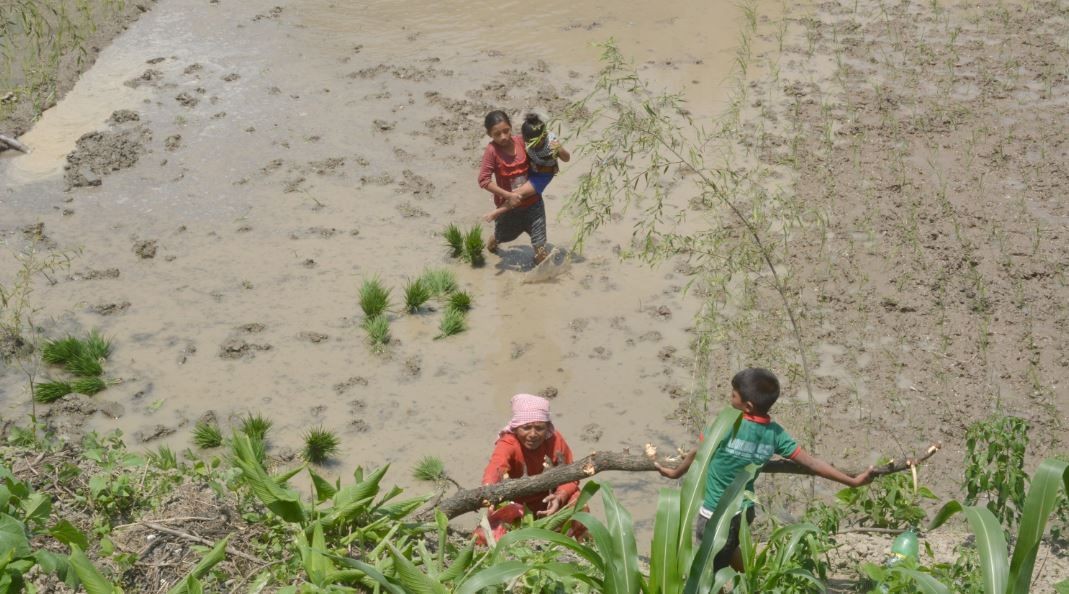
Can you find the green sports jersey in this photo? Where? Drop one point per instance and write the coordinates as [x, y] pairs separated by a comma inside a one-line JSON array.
[[757, 439]]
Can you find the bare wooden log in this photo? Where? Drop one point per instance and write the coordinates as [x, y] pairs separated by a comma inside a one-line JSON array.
[[469, 500], [7, 142]]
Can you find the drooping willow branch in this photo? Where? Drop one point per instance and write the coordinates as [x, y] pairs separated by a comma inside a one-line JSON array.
[[469, 500], [644, 124]]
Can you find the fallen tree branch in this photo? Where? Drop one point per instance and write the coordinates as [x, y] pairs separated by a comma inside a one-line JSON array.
[[11, 142], [469, 500]]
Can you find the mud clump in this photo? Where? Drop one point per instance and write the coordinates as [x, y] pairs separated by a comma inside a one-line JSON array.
[[549, 392], [109, 309], [91, 274], [186, 100], [153, 433], [313, 337], [122, 116], [343, 387], [99, 153], [146, 249], [236, 348], [173, 142], [148, 77], [231, 77]]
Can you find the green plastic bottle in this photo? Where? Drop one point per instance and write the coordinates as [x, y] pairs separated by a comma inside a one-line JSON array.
[[905, 545]]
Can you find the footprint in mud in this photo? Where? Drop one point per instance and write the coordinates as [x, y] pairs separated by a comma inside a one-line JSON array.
[[186, 100], [91, 274], [557, 264], [592, 433], [252, 328], [343, 387], [312, 337], [107, 309], [549, 392], [146, 249], [236, 348]]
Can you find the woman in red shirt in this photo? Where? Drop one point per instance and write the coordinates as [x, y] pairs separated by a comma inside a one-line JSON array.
[[523, 448], [502, 173]]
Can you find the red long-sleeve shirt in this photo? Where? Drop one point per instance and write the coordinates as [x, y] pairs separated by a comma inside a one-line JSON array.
[[512, 459], [509, 172]]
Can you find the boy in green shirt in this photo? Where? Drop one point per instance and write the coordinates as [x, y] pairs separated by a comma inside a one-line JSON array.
[[754, 391]]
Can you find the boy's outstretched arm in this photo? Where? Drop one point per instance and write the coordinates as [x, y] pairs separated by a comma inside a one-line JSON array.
[[825, 470], [678, 471]]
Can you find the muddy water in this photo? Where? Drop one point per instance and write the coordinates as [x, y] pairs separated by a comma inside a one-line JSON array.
[[317, 152]]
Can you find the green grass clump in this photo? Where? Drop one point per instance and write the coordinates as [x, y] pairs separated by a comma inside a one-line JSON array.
[[378, 330], [319, 445], [207, 436], [416, 294], [454, 239], [51, 391], [439, 281], [88, 385], [85, 364], [256, 426], [97, 346], [429, 469], [374, 298], [59, 352], [459, 301], [474, 246], [452, 323]]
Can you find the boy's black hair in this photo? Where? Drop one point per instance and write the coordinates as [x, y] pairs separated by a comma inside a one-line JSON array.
[[532, 127], [758, 386], [496, 117]]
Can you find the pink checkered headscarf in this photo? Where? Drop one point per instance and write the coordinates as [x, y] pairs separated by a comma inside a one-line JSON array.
[[527, 408]]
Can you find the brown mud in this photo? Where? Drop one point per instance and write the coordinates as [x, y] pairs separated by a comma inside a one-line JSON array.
[[289, 151]]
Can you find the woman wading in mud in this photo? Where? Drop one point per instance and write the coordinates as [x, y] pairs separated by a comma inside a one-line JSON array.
[[504, 173]]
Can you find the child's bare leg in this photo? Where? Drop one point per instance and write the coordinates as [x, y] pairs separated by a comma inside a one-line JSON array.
[[526, 190], [492, 216]]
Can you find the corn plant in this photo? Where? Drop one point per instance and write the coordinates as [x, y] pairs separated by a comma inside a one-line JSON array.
[[1002, 572]]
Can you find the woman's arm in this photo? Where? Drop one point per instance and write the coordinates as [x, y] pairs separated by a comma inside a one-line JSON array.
[[499, 464], [486, 178]]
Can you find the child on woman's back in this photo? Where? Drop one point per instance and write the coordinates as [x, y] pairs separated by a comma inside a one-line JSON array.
[[543, 150]]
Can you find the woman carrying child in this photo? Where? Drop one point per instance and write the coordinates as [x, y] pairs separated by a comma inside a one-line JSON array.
[[516, 170], [525, 447]]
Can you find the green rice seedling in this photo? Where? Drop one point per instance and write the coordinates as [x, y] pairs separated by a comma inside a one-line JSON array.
[[452, 323], [97, 346], [61, 351], [255, 426], [374, 298], [439, 281], [319, 445], [207, 436], [459, 301], [85, 365], [474, 246], [454, 239], [50, 391], [378, 330], [416, 294], [429, 469], [88, 385]]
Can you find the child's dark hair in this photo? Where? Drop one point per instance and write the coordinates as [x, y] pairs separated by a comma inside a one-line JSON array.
[[496, 117], [532, 127], [758, 386]]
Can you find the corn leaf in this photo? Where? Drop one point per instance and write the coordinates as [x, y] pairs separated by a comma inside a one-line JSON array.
[[604, 543], [700, 574], [925, 583], [1051, 477], [412, 579], [210, 560], [493, 576], [460, 564], [664, 576], [324, 490], [369, 571], [285, 503], [990, 542], [622, 530], [567, 542], [90, 577], [693, 490]]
